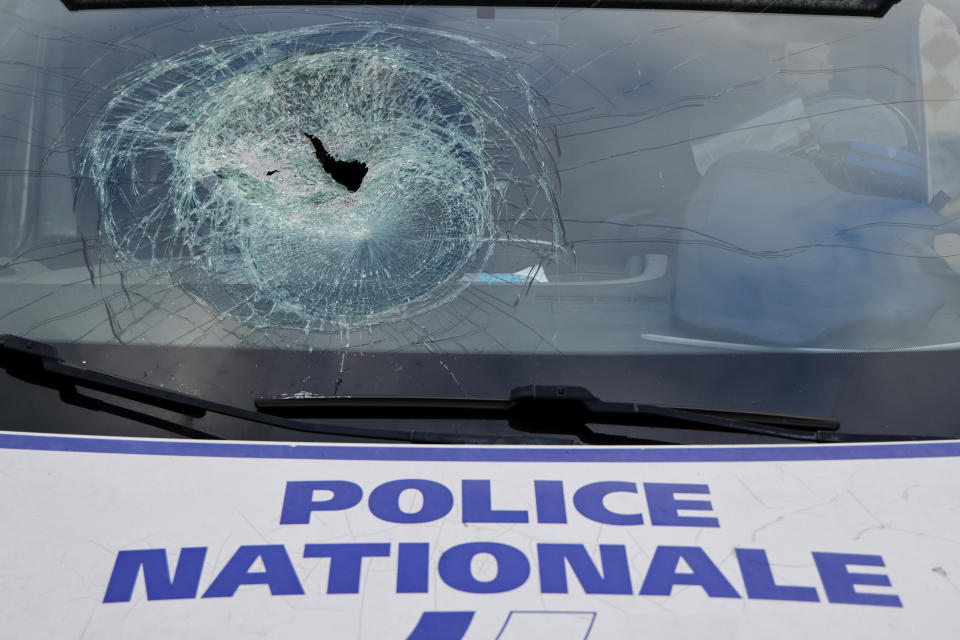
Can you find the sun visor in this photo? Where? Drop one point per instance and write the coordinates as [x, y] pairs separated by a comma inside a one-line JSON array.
[[867, 8]]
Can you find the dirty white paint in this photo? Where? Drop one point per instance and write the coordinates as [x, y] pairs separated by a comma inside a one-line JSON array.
[[76, 509]]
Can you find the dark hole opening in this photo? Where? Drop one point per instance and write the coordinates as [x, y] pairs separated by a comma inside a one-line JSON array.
[[349, 174]]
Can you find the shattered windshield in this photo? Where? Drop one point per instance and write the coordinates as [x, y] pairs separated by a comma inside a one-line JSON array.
[[480, 180]]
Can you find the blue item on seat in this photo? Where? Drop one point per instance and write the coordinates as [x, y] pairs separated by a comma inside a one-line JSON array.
[[776, 253]]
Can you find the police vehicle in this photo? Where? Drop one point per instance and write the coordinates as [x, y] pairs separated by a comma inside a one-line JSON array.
[[473, 321]]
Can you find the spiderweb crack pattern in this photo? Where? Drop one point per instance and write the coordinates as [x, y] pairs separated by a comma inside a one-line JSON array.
[[206, 170]]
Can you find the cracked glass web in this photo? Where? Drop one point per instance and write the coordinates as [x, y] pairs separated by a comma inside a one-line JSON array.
[[218, 168], [222, 178]]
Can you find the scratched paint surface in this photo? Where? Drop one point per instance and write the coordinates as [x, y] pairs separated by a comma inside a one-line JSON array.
[[58, 559]]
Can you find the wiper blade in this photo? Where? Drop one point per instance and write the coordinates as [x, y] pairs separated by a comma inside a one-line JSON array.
[[39, 364], [548, 409]]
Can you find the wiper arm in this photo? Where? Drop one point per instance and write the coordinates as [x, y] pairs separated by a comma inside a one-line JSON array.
[[565, 409], [548, 411], [39, 364]]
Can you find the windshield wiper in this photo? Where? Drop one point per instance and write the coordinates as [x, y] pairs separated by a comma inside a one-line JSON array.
[[566, 409], [39, 364], [551, 412]]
